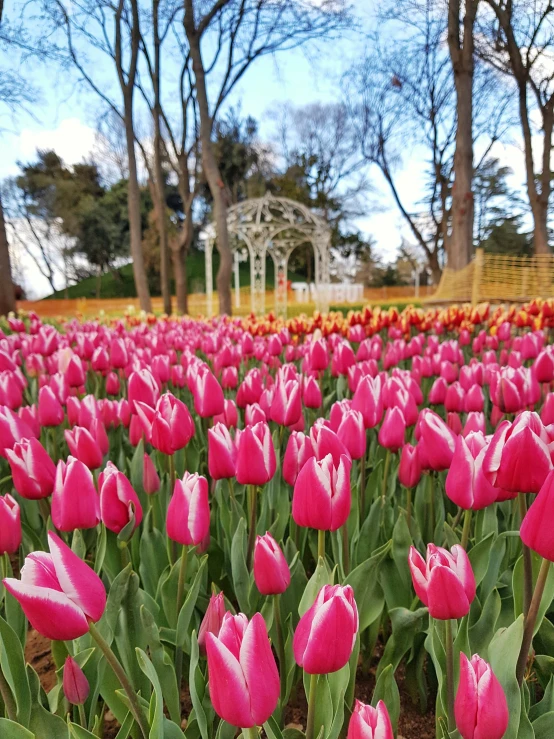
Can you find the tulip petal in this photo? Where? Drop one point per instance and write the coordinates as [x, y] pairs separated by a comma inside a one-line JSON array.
[[79, 581], [49, 611], [227, 684], [447, 597], [465, 706], [260, 671], [330, 642], [39, 570]]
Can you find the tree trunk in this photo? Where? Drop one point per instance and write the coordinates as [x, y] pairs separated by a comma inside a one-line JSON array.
[[434, 266], [461, 54], [160, 183], [7, 292], [211, 170], [98, 282], [135, 219]]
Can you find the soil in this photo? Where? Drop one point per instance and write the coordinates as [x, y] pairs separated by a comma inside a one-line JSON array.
[[411, 725]]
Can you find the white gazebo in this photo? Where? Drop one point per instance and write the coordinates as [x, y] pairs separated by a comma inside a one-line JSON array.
[[275, 226]]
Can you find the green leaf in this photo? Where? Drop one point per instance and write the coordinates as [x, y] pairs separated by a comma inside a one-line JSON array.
[[153, 559], [543, 726], [545, 705], [137, 468], [101, 544], [11, 730], [77, 732], [197, 687], [322, 576], [185, 614], [481, 633], [272, 729], [367, 591], [503, 654], [479, 557], [163, 664], [386, 690], [156, 719], [12, 661], [405, 625], [241, 576]]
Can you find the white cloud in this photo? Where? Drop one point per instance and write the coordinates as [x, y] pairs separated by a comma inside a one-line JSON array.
[[73, 140]]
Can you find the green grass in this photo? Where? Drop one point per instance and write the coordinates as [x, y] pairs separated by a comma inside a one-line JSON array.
[[120, 283]]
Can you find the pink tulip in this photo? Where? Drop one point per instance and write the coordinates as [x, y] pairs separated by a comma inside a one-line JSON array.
[[222, 453], [150, 477], [73, 371], [535, 529], [84, 446], [480, 708], [367, 722], [391, 433], [318, 355], [213, 618], [243, 677], [10, 525], [118, 500], [475, 421], [367, 400], [436, 441], [325, 635], [50, 411], [170, 426], [58, 592], [409, 470], [445, 582], [256, 461], [33, 471], [352, 433], [271, 571], [12, 430], [286, 406], [76, 687], [75, 502], [466, 485], [250, 389], [299, 450], [322, 498], [188, 513], [112, 384], [143, 387], [208, 395], [118, 354], [325, 441], [311, 393], [506, 462]]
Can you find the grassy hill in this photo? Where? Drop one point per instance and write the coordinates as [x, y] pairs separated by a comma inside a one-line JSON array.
[[120, 284]]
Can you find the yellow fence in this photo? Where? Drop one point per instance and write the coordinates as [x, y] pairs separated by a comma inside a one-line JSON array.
[[90, 307], [498, 278]]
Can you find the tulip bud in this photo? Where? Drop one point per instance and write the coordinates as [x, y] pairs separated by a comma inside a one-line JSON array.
[[437, 441], [50, 411], [409, 470], [271, 571], [325, 441], [367, 399], [367, 722], [170, 427], [254, 414], [352, 433], [222, 453], [143, 387], [213, 618], [311, 393], [299, 450], [241, 657], [188, 513], [256, 461], [33, 471], [480, 708], [10, 525], [75, 502], [75, 685], [325, 635], [83, 446], [535, 529], [118, 501], [150, 477], [466, 485], [12, 430], [445, 582], [391, 433], [208, 395], [322, 497], [112, 384], [286, 406]]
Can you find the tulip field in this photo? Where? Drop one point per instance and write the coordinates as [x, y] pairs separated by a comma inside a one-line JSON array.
[[327, 527]]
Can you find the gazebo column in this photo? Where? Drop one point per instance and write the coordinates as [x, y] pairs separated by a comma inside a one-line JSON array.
[[280, 261], [322, 246], [257, 277], [237, 280]]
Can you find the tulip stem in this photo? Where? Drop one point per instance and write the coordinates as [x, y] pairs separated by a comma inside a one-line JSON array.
[[115, 664], [280, 643], [432, 486], [82, 715], [231, 491], [321, 544], [467, 527], [449, 648], [311, 707], [527, 562], [182, 574], [251, 733], [7, 697], [531, 619], [409, 508], [385, 475], [252, 531], [362, 489], [345, 549]]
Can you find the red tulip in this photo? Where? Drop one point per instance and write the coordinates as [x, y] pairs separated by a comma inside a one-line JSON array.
[[33, 471], [75, 685], [50, 411], [256, 461], [243, 677], [325, 635], [480, 708], [213, 618], [445, 582], [118, 500], [271, 571], [188, 513], [506, 463], [75, 502], [10, 525], [322, 498], [367, 722], [58, 592]]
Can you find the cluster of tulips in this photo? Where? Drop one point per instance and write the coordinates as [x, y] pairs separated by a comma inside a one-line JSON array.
[[208, 519]]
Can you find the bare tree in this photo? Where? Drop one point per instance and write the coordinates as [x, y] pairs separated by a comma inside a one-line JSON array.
[[241, 32], [461, 47], [114, 30], [518, 39]]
